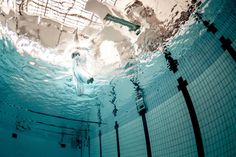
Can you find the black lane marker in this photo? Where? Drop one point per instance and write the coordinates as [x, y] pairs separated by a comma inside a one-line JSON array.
[[100, 142], [71, 119], [89, 146], [172, 64], [141, 108], [146, 133], [193, 116], [117, 138], [81, 150], [210, 27], [226, 45]]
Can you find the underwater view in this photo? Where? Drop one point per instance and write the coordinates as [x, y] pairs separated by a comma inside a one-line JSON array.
[[117, 78]]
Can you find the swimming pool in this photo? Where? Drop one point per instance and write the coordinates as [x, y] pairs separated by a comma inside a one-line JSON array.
[[39, 104]]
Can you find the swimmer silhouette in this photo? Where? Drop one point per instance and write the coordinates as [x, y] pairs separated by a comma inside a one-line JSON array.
[[80, 74]]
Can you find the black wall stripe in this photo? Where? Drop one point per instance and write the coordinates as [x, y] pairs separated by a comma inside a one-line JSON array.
[[89, 146], [100, 142], [117, 138], [210, 27], [226, 45], [193, 116], [146, 133], [81, 150], [142, 112]]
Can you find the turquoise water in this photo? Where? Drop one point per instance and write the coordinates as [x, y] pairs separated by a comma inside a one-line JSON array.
[[210, 72]]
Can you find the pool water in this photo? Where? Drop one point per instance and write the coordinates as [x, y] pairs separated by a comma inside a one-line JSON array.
[[38, 99]]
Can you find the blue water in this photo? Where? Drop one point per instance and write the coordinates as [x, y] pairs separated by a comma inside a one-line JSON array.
[[48, 88], [45, 87]]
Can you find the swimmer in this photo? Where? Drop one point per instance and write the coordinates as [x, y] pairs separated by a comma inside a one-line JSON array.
[[80, 74]]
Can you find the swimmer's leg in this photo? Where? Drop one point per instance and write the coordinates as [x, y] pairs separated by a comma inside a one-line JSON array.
[[79, 88]]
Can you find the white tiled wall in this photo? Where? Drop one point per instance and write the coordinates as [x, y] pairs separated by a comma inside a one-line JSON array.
[[109, 144], [132, 140], [85, 151], [94, 147], [214, 97], [170, 129], [211, 76]]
